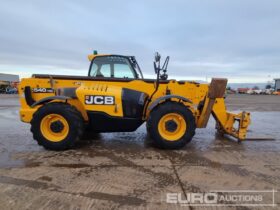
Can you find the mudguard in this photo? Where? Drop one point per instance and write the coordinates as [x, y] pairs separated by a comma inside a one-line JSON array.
[[48, 99], [163, 98]]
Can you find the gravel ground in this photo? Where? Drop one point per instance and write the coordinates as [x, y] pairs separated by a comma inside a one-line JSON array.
[[124, 170]]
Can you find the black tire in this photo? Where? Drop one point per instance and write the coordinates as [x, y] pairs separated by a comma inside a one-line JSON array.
[[70, 114], [158, 113]]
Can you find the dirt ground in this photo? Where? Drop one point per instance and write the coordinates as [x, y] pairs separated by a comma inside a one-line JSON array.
[[124, 170]]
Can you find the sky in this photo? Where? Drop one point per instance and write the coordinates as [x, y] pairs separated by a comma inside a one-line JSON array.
[[237, 39]]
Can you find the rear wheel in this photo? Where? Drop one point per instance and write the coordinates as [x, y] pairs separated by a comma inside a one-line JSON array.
[[57, 126], [171, 125]]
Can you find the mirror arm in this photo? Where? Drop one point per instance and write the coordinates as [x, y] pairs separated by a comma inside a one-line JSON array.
[[164, 67]]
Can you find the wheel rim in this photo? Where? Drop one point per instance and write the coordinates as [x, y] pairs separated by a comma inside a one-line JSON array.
[[167, 128], [54, 127]]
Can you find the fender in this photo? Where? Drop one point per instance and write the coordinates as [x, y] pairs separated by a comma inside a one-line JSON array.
[[163, 98], [48, 99]]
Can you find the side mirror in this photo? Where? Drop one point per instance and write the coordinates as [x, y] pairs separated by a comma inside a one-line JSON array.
[[157, 57], [158, 69]]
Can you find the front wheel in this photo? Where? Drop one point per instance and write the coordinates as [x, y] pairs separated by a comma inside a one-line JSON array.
[[171, 125]]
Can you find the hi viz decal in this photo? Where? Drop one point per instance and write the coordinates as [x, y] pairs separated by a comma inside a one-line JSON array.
[[99, 100]]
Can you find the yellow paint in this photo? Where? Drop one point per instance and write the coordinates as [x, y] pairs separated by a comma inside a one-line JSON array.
[[188, 89], [233, 124], [46, 131], [179, 131], [80, 107], [194, 92], [102, 90]]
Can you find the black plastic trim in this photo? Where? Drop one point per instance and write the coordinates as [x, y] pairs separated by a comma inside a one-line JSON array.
[[133, 103], [28, 96], [87, 78], [163, 98], [69, 92], [102, 122], [48, 99]]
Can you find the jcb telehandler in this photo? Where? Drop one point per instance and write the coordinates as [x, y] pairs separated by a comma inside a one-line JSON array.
[[114, 97]]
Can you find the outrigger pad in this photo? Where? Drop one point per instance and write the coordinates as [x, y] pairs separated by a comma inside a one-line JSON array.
[[217, 88]]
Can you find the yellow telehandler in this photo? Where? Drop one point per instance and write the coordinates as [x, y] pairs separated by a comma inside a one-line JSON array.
[[114, 97]]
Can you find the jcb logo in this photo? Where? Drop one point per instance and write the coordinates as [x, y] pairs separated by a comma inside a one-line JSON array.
[[100, 100]]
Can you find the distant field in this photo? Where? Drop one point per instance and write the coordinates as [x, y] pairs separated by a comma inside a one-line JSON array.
[[253, 102]]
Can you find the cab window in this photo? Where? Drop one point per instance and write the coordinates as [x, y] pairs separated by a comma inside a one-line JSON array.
[[123, 71], [102, 71], [112, 67]]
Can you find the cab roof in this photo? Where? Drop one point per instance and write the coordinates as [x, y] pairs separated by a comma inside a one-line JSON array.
[[92, 56]]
